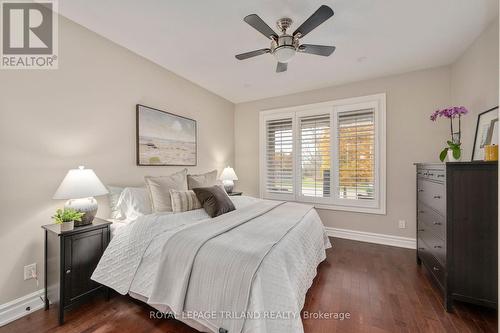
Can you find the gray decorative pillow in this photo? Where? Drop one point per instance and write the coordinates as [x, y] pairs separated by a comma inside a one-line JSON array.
[[159, 189], [183, 201], [202, 180], [214, 200]]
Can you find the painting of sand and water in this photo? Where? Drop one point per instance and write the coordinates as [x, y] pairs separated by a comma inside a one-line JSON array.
[[164, 138]]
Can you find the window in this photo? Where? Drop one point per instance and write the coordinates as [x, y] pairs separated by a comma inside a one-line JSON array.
[[330, 154], [279, 156]]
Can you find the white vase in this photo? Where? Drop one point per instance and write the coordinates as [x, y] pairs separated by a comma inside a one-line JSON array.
[[453, 159], [67, 226]]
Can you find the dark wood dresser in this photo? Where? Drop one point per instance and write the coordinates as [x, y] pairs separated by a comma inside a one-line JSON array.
[[457, 215], [70, 259]]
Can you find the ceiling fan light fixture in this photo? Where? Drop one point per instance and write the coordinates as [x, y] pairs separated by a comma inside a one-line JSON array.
[[284, 53]]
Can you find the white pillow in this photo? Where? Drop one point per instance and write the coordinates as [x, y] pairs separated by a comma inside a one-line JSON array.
[[134, 202], [114, 196]]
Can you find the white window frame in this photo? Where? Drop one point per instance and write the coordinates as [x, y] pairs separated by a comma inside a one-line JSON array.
[[376, 102]]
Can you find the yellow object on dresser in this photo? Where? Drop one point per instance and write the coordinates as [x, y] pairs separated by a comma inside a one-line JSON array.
[[491, 153]]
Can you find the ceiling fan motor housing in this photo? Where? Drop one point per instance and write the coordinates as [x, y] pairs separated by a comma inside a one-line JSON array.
[[284, 47]]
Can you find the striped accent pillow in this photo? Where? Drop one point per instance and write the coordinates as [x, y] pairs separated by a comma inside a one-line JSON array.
[[182, 201]]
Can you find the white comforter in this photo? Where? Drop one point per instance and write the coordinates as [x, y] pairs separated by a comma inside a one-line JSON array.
[[280, 284]]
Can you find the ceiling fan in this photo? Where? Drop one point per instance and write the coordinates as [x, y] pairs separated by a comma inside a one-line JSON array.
[[285, 46]]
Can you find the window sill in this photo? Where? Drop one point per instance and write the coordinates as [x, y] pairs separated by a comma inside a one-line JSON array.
[[353, 209], [364, 210]]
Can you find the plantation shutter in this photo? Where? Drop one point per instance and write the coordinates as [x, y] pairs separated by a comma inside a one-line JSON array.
[[279, 156], [356, 154], [314, 137]]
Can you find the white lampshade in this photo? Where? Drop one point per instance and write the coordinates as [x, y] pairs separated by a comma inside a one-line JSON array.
[[80, 183], [228, 174]]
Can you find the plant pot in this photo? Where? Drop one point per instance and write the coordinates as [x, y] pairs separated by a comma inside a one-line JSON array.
[[453, 159], [67, 226]]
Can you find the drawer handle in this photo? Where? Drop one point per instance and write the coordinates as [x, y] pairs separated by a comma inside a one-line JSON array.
[[68, 271], [421, 229], [437, 246], [421, 212], [436, 223], [421, 248], [437, 197], [430, 174], [420, 190], [440, 175], [435, 268]]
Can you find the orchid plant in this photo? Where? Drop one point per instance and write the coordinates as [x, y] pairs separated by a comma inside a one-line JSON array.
[[453, 144]]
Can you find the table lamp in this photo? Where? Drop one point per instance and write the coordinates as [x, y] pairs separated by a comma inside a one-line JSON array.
[[80, 186], [228, 176]]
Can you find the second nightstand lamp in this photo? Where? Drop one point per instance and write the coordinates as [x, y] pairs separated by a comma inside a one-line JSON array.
[[80, 186], [228, 176]]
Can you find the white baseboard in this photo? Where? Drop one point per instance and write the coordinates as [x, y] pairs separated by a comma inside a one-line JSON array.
[[21, 307], [370, 237]]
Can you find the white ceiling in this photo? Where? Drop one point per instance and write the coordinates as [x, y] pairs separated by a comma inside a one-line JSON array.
[[198, 39]]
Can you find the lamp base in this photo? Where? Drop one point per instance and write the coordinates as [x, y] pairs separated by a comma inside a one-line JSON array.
[[84, 205], [228, 185]]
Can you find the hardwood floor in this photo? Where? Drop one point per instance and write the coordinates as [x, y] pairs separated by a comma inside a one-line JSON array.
[[381, 287]]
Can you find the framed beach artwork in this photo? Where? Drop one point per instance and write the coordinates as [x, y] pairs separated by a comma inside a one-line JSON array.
[[486, 132], [164, 138]]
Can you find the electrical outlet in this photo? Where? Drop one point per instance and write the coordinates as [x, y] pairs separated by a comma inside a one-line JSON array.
[[402, 224], [29, 271]]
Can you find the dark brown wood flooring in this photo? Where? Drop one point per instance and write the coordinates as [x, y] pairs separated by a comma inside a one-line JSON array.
[[380, 286]]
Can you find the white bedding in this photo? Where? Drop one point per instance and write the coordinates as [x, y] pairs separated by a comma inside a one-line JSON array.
[[280, 284]]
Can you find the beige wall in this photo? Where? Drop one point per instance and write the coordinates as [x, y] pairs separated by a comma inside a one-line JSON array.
[[474, 82], [84, 113], [411, 137]]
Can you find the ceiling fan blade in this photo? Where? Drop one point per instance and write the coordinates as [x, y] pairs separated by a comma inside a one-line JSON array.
[[321, 15], [321, 50], [251, 54], [258, 24], [281, 67]]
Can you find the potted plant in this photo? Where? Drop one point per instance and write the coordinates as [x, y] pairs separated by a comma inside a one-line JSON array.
[[66, 218], [454, 150]]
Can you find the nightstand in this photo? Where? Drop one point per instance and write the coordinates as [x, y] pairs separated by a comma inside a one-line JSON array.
[[235, 194], [70, 259]]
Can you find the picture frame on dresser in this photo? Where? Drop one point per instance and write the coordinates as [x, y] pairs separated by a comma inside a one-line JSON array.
[[486, 132], [164, 138]]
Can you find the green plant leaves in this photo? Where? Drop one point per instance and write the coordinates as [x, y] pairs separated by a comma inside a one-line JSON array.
[[442, 156], [453, 145], [67, 215], [456, 153]]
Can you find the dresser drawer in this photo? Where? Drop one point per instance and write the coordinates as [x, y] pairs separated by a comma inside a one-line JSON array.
[[432, 194], [432, 264], [430, 173], [435, 245], [436, 221]]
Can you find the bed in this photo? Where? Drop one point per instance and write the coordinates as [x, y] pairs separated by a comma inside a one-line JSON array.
[[218, 283]]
